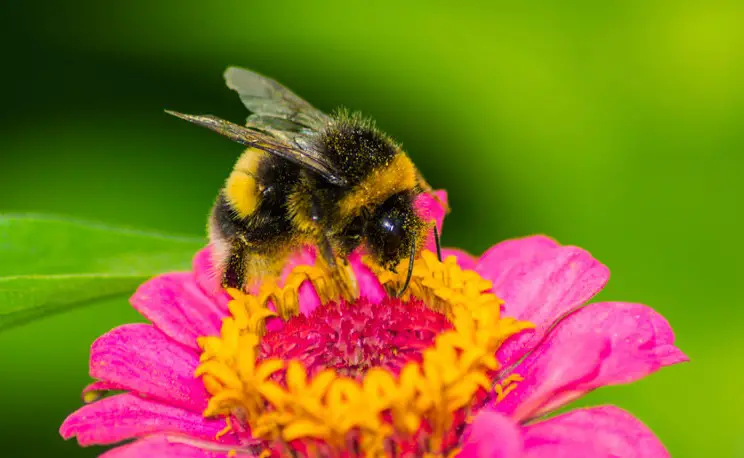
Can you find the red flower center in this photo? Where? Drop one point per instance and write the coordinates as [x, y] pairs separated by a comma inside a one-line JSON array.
[[352, 338], [399, 376]]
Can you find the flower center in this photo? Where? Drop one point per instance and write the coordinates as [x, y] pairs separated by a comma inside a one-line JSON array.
[[353, 338], [396, 378]]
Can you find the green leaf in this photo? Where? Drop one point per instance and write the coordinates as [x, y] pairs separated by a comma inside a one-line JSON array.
[[49, 264]]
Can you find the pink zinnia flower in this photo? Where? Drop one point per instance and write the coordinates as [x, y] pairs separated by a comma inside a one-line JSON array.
[[469, 363]]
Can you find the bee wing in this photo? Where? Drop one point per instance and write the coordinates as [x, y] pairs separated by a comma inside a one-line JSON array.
[[280, 128], [276, 125], [270, 102], [301, 152]]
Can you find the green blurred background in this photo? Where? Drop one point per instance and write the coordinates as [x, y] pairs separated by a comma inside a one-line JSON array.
[[614, 126]]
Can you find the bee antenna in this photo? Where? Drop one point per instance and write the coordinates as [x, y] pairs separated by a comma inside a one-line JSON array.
[[410, 270], [438, 243]]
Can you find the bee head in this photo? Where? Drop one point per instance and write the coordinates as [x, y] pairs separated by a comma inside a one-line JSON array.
[[394, 231]]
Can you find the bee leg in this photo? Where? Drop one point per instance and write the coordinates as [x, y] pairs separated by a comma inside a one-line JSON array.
[[341, 275], [316, 214], [438, 243], [234, 275], [327, 252]]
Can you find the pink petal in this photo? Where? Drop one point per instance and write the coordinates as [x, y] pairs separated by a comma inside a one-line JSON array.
[[599, 432], [164, 447], [368, 285], [631, 341], [492, 435], [501, 258], [127, 416], [367, 282], [642, 340], [539, 282], [308, 297], [430, 208], [176, 304], [465, 260], [304, 256], [208, 278], [550, 372], [142, 359]]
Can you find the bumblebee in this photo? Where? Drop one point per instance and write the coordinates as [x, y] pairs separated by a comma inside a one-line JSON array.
[[308, 178]]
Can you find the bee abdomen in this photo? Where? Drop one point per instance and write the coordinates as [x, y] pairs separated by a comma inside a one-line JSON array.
[[242, 189]]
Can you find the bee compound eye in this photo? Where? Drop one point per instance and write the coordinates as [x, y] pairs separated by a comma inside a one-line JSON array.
[[393, 237], [392, 243]]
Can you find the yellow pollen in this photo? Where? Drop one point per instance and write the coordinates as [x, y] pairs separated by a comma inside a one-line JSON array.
[[451, 454], [442, 286], [224, 430], [506, 386], [251, 312], [93, 396], [379, 408]]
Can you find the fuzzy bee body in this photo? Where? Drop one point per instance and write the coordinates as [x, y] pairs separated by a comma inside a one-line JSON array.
[[335, 182], [250, 227]]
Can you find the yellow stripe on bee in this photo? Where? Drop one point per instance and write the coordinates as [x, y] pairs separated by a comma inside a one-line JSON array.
[[242, 190], [398, 176], [299, 203]]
